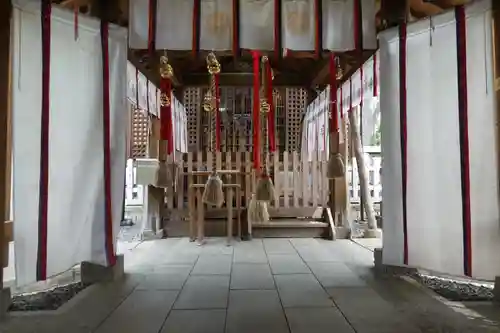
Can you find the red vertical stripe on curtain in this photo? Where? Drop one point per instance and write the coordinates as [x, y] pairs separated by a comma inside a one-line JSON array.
[[256, 110], [106, 117], [461, 32], [375, 75], [196, 27], [166, 115], [277, 29], [236, 28], [41, 267], [403, 132], [318, 12], [152, 26]]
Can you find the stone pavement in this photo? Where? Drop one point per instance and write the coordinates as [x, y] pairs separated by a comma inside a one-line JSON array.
[[270, 285]]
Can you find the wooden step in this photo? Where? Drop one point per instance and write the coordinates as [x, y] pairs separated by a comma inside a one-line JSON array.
[[290, 228]]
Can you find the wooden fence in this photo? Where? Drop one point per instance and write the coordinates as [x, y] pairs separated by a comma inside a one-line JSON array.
[[299, 184]]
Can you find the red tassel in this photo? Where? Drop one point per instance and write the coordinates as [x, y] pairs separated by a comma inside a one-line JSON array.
[[271, 115], [217, 112], [334, 124], [166, 115], [256, 110], [375, 78]]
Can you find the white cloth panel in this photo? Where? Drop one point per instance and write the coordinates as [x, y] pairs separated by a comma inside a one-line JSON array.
[[138, 24], [433, 166], [392, 214], [444, 154], [368, 12], [216, 25], [143, 95], [256, 21], [298, 21], [356, 88], [153, 101], [483, 146], [76, 188], [131, 84], [338, 25], [174, 24]]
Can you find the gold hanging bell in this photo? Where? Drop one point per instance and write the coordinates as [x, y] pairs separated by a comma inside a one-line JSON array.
[[213, 64], [166, 70]]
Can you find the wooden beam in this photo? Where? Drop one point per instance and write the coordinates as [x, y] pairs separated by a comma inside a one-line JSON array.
[[5, 15], [242, 79]]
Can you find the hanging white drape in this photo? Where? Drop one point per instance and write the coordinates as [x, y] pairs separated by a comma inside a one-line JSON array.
[[435, 224], [257, 24], [76, 199]]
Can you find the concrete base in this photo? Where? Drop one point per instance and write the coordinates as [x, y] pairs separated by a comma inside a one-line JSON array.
[[496, 290], [342, 232], [5, 301], [372, 233], [93, 273], [383, 269], [151, 235]]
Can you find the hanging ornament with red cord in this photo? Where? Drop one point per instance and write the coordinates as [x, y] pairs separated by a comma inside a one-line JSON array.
[[213, 193], [265, 187], [336, 167]]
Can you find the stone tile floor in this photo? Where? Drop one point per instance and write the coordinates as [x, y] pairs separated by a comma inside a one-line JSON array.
[[270, 285]]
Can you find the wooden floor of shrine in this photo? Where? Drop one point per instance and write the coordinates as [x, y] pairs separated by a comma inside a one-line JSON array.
[[269, 285]]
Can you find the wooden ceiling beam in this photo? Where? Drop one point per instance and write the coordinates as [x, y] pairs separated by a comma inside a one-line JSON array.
[[241, 79]]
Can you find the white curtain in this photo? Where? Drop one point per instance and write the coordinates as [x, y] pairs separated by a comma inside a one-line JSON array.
[[131, 84], [174, 24], [483, 144], [216, 25], [76, 178], [298, 21], [434, 192], [338, 25], [257, 24]]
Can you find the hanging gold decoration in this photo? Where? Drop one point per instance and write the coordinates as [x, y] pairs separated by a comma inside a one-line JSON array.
[[166, 70], [213, 64], [164, 99], [264, 106]]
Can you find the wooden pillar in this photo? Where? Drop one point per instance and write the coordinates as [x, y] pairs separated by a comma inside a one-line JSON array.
[[5, 13]]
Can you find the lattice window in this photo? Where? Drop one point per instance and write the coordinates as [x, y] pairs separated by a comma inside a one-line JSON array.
[[296, 102], [140, 132]]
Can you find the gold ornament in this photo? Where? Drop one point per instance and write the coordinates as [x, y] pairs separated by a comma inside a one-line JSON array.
[[166, 70], [164, 100], [264, 106], [213, 64]]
